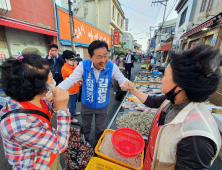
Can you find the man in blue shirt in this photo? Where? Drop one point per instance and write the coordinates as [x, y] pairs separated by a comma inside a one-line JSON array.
[[56, 63]]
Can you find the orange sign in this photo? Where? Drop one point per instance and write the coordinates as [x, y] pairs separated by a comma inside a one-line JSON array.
[[116, 37], [85, 32], [2, 56]]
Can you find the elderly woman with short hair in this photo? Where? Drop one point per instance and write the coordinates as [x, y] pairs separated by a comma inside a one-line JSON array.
[[184, 134]]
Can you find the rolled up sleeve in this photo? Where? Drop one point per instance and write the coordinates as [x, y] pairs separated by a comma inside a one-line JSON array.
[[118, 75]]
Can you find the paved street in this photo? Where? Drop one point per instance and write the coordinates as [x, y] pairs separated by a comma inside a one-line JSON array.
[[113, 106]]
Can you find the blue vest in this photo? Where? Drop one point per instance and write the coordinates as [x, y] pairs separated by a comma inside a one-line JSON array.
[[96, 95]]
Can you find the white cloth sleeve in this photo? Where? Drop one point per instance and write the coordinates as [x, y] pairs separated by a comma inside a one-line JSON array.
[[73, 78], [118, 75]]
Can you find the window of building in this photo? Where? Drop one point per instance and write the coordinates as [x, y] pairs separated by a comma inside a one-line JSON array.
[[183, 17], [121, 22], [208, 40], [114, 12], [118, 18], [112, 32], [168, 30], [211, 4], [204, 5], [163, 30], [173, 28]]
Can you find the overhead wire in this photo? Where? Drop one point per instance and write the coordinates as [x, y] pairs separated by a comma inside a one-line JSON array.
[[172, 7], [138, 11]]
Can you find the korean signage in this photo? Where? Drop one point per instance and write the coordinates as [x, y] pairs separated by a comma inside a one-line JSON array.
[[153, 42], [2, 56], [198, 28], [84, 31], [126, 24], [116, 37]]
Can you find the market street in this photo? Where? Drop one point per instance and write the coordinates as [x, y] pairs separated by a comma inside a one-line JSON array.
[[113, 106]]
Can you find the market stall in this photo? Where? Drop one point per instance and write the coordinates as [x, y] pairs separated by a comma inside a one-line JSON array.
[[133, 114]]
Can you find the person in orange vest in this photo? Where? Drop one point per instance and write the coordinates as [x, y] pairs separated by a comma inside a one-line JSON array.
[[184, 134], [67, 69]]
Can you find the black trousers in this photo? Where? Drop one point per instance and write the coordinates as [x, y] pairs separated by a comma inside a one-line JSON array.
[[100, 121], [128, 67], [58, 79]]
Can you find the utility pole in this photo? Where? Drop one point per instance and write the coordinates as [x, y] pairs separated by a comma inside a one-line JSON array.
[[70, 2], [162, 2]]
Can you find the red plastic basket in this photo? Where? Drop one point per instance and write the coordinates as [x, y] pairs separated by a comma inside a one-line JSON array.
[[128, 142]]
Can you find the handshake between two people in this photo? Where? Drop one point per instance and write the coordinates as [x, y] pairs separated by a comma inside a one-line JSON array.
[[127, 86]]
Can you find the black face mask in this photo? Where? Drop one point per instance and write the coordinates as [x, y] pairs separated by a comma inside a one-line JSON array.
[[171, 95]]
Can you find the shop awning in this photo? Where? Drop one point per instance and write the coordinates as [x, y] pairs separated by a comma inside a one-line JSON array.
[[165, 47], [27, 27], [158, 47]]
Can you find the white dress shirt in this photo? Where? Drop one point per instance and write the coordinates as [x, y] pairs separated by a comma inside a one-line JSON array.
[[78, 73], [128, 58]]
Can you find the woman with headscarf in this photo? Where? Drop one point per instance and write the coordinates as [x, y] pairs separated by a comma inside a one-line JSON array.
[[184, 134]]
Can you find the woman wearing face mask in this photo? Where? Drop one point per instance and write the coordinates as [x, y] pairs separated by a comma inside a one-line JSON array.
[[114, 58], [67, 69], [29, 140], [184, 135]]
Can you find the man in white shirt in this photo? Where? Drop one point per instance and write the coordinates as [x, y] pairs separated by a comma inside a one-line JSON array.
[[97, 73], [128, 61]]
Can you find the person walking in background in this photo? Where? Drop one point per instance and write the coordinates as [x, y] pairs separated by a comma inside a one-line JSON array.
[[114, 58], [120, 64], [128, 62], [140, 58], [69, 66], [136, 58], [78, 59], [56, 62]]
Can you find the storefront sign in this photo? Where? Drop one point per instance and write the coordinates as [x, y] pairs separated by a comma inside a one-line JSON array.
[[199, 28], [153, 42], [214, 40], [84, 31], [116, 37], [2, 56], [126, 24]]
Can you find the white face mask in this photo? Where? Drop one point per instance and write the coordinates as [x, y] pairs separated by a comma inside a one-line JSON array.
[[121, 59], [71, 63], [50, 88]]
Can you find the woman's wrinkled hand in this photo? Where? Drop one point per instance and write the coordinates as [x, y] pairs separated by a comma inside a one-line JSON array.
[[61, 98]]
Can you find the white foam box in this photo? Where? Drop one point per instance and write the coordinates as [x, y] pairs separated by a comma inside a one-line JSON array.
[[217, 117]]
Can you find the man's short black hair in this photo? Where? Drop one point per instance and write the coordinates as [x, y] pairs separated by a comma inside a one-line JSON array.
[[95, 45], [23, 79], [53, 46], [197, 71], [78, 55]]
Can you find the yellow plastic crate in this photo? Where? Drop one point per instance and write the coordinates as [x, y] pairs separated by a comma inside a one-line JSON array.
[[100, 164], [114, 160]]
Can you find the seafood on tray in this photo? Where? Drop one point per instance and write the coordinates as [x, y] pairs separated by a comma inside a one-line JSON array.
[[217, 111], [139, 121]]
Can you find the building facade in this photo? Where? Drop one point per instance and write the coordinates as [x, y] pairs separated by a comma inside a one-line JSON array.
[[85, 33], [185, 10], [162, 32], [29, 23], [206, 28], [128, 38], [106, 15]]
